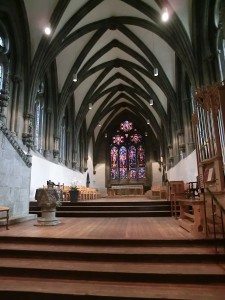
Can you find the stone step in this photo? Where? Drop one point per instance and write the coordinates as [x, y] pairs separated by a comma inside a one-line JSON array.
[[115, 208], [115, 214], [24, 288], [204, 273], [110, 203], [110, 250], [42, 267]]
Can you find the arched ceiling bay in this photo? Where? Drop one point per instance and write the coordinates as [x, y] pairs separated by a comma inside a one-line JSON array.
[[113, 46]]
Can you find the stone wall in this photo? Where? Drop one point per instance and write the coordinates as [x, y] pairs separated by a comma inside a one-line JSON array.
[[14, 179]]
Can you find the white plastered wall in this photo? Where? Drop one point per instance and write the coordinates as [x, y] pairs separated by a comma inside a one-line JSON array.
[[43, 170], [186, 170]]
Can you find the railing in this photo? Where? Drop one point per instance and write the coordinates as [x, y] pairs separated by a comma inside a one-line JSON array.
[[7, 133], [215, 204]]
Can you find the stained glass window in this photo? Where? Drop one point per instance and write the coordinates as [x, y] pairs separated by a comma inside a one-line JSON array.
[[114, 163], [126, 126], [127, 153], [136, 138], [118, 139]]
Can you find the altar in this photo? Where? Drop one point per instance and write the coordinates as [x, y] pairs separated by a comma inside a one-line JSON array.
[[125, 190]]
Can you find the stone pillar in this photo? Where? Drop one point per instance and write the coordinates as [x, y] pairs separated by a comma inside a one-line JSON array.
[[67, 158], [4, 95], [223, 20], [47, 151], [170, 148], [15, 103], [27, 135], [56, 148], [181, 143]]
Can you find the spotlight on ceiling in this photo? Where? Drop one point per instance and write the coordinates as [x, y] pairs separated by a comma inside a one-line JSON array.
[[48, 30], [99, 125], [148, 122], [165, 14], [156, 72], [75, 77], [151, 102], [146, 134], [90, 106], [106, 135]]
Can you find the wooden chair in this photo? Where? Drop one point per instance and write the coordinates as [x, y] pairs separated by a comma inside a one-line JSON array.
[[5, 209]]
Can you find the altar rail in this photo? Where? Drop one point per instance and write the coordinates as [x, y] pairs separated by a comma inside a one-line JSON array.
[[127, 190]]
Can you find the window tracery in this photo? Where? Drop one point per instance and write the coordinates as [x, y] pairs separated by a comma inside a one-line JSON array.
[[127, 153]]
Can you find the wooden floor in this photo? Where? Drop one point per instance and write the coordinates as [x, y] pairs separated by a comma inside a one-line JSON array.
[[165, 228], [94, 266]]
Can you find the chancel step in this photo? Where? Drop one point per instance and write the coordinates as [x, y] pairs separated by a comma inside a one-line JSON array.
[[160, 208], [47, 268]]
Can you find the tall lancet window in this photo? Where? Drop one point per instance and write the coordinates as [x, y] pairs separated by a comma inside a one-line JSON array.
[[1, 65], [127, 153], [1, 76]]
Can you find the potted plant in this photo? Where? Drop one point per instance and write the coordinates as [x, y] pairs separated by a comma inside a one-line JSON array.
[[74, 192]]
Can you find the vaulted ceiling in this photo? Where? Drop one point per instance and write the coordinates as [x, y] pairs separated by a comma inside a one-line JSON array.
[[113, 47]]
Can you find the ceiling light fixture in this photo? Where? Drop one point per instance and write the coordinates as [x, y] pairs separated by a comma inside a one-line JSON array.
[[90, 106], [151, 102], [99, 125], [156, 72], [106, 135], [165, 14], [148, 122], [75, 77], [48, 30], [146, 134]]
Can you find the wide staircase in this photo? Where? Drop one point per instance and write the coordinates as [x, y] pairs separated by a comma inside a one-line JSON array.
[[53, 268], [109, 208]]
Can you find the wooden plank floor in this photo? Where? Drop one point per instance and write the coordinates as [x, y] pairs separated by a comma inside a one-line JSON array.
[[160, 228], [128, 228]]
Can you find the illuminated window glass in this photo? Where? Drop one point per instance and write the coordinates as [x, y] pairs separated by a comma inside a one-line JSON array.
[[114, 163], [127, 153], [126, 126], [123, 162], [118, 139]]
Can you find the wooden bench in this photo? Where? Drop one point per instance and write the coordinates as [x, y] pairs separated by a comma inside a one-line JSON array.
[[5, 209], [192, 220]]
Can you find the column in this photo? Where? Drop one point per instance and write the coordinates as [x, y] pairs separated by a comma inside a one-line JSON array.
[[27, 135], [4, 95], [15, 104], [47, 134]]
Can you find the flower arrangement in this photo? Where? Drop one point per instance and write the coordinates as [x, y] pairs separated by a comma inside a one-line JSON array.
[[73, 188]]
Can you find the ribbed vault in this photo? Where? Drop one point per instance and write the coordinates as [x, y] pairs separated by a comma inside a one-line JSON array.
[[113, 46]]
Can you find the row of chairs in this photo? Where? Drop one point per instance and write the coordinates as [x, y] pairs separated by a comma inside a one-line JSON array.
[[85, 193]]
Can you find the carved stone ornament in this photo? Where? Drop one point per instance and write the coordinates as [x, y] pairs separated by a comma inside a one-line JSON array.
[[48, 200], [10, 137]]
